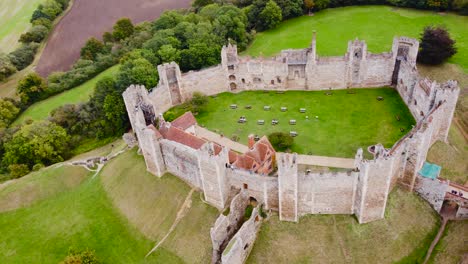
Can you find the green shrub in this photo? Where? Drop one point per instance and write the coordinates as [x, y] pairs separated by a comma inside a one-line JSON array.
[[84, 257], [38, 166], [35, 34], [6, 67], [123, 29], [24, 55], [281, 141], [43, 21], [18, 170]]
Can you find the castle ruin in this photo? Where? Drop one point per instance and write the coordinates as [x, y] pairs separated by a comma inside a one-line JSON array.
[[293, 190]]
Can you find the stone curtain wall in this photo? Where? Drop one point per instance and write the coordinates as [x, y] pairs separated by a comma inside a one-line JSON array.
[[363, 192], [432, 190], [241, 244], [226, 226], [326, 193], [263, 188]]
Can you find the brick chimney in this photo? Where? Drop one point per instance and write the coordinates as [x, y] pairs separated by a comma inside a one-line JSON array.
[[251, 141]]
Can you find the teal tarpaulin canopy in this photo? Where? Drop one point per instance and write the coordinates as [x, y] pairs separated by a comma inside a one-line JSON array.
[[430, 170]]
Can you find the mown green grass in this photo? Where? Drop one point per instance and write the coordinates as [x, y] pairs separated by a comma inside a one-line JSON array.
[[407, 230], [151, 204], [83, 218], [345, 121], [375, 24], [14, 17], [40, 185], [79, 94], [120, 214]]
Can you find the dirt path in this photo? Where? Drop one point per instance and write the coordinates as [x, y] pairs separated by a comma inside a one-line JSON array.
[[345, 253], [436, 239], [459, 126], [180, 214]]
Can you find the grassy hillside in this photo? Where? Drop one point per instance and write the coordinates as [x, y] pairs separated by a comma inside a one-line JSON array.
[[151, 204], [40, 185], [375, 24], [453, 244], [15, 16], [408, 229], [76, 95], [345, 121], [121, 215]]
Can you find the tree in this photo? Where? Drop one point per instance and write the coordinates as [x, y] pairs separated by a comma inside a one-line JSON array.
[[40, 142], [167, 53], [24, 55], [6, 67], [92, 48], [107, 37], [123, 29], [36, 34], [31, 88], [436, 46], [167, 20], [320, 4], [139, 71], [270, 16], [8, 113], [309, 4], [290, 8], [199, 55], [281, 141], [198, 4], [51, 9], [438, 4]]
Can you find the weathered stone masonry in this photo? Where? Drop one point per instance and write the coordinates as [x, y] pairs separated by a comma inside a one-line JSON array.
[[294, 190]]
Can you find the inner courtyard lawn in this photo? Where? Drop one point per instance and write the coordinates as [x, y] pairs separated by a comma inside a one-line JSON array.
[[377, 25], [346, 121]]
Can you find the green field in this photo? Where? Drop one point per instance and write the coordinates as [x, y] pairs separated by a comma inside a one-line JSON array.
[[345, 121], [79, 94], [120, 214], [15, 16], [375, 24], [406, 232]]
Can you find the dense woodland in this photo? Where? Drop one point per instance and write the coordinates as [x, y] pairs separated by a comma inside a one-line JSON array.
[[192, 38]]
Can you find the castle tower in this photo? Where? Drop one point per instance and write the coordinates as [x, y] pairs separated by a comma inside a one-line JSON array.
[[372, 188], [446, 97], [230, 63], [287, 186], [141, 115], [212, 165], [357, 62], [170, 78]]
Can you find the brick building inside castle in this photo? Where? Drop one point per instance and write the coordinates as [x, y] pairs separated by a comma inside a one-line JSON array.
[[219, 172]]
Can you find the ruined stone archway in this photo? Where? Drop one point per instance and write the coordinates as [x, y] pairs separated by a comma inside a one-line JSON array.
[[232, 77]]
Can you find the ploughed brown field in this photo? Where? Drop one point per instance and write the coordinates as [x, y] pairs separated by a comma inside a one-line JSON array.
[[91, 18]]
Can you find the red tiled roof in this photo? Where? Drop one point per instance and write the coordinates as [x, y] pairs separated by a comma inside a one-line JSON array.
[[158, 135], [182, 137], [232, 156], [184, 121]]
